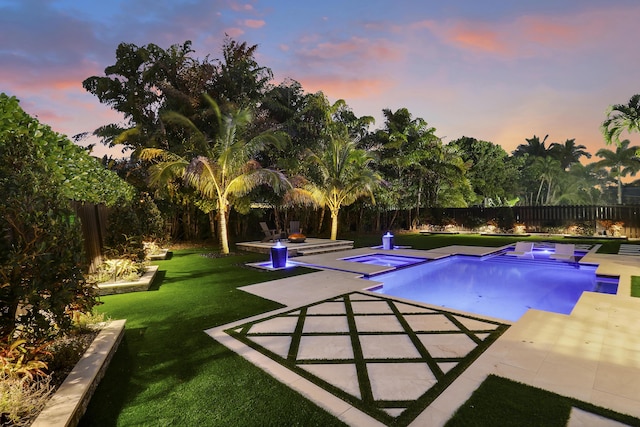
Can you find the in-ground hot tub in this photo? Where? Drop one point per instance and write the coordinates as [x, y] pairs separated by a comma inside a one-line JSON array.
[[386, 260]]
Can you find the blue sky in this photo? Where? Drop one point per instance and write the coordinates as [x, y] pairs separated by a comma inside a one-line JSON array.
[[501, 71]]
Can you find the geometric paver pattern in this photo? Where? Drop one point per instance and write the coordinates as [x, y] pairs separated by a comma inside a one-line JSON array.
[[388, 358]]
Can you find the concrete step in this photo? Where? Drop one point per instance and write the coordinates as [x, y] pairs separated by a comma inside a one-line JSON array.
[[326, 249]]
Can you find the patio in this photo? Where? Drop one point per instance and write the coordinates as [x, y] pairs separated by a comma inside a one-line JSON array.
[[420, 363]]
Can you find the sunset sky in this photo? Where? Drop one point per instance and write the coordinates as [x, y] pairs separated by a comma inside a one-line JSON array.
[[499, 70]]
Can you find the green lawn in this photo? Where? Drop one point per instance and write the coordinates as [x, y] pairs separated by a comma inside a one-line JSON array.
[[635, 286], [167, 371], [502, 402]]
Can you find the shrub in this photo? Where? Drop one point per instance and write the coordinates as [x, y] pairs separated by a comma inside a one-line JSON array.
[[41, 262]]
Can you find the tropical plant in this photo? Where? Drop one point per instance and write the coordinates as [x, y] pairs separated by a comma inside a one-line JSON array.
[[345, 175], [113, 270], [621, 117], [620, 163], [222, 167], [18, 358]]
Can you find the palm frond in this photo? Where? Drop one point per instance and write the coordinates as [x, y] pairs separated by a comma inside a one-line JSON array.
[[245, 183], [300, 197], [203, 174], [162, 173]]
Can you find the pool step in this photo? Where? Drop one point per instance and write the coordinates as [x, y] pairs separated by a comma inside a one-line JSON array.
[[326, 248]]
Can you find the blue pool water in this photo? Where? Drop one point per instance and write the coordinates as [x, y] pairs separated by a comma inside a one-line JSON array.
[[386, 260], [497, 286]]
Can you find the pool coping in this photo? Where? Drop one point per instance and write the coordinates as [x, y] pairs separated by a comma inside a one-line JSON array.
[[531, 351]]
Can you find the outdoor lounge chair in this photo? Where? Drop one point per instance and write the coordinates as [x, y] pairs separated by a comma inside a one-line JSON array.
[[294, 227], [270, 235], [564, 252], [522, 250]]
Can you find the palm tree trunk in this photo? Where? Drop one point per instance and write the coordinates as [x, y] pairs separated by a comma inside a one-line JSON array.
[[539, 191], [334, 225], [224, 238], [619, 189], [320, 220], [212, 224], [548, 201]]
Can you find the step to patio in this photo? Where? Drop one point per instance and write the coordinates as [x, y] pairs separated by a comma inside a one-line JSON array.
[[326, 249], [629, 249]]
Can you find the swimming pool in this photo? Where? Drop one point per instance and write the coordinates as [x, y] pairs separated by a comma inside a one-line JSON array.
[[496, 286]]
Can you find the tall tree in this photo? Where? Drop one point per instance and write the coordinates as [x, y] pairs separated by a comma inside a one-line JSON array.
[[620, 163], [568, 153], [407, 148], [240, 82], [344, 175], [144, 81], [492, 175], [223, 168], [621, 117]]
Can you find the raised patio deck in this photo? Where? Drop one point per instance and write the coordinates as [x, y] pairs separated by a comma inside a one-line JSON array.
[[310, 246]]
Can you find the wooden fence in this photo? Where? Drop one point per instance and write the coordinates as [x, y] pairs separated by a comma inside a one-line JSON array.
[[94, 226], [540, 218]]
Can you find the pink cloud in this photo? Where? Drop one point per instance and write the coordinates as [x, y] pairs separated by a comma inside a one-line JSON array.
[[477, 38], [234, 32], [352, 54], [532, 34], [238, 7], [254, 23], [339, 87], [544, 32]]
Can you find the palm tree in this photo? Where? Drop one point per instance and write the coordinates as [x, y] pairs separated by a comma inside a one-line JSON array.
[[222, 168], [621, 163], [534, 147], [621, 117], [568, 153], [345, 176]]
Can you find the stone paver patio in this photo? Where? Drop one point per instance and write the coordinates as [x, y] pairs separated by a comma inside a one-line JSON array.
[[372, 359]]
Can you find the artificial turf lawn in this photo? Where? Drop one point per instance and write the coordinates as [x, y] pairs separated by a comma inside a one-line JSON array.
[[167, 371], [502, 402], [635, 286]]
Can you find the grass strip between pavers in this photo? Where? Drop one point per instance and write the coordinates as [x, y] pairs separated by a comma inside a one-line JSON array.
[[503, 402], [635, 286], [366, 403]]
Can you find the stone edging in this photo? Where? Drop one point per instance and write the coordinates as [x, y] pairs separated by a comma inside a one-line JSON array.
[[68, 404], [139, 285], [162, 255]]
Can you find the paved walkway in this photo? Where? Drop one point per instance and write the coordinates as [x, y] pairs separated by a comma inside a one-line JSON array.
[[371, 359]]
